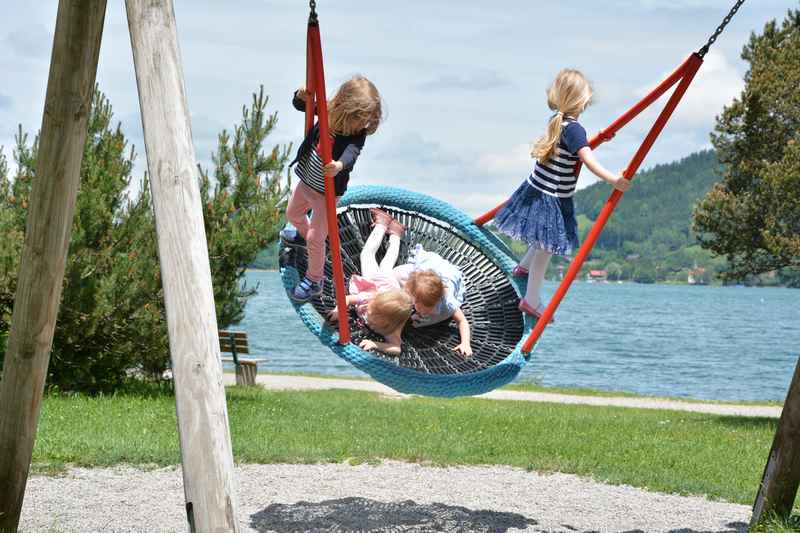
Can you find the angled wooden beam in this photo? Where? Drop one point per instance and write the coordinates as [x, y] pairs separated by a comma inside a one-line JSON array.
[[781, 477], [185, 270], [73, 69]]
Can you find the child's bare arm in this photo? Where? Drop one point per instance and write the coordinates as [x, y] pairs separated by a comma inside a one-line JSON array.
[[392, 346], [350, 299], [464, 347], [617, 181]]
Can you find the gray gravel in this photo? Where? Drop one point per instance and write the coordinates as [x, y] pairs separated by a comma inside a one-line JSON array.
[[392, 496]]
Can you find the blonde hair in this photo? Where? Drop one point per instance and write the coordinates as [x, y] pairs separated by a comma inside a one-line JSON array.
[[357, 104], [569, 95], [388, 311], [426, 286]]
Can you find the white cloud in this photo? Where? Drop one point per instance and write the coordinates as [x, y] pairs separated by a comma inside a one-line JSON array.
[[516, 161], [33, 41]]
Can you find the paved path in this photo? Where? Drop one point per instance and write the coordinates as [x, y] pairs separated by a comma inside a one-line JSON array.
[[288, 382]]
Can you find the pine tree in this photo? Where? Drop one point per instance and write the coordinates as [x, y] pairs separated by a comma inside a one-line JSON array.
[[111, 322], [753, 216]]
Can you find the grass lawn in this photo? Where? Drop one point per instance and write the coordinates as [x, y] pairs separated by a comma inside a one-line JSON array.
[[686, 453]]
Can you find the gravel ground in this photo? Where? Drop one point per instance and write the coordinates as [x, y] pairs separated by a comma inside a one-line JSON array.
[[392, 496]]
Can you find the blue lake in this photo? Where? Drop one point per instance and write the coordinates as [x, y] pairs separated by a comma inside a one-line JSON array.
[[722, 343]]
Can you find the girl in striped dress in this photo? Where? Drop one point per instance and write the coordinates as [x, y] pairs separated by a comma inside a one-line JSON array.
[[541, 212], [354, 112]]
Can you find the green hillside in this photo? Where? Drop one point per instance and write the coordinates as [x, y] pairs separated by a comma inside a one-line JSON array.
[[649, 236], [657, 210]]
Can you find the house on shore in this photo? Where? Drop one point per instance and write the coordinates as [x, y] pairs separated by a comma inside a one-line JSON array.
[[597, 275]]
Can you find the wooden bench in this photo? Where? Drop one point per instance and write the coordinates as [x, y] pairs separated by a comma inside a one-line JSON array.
[[235, 343]]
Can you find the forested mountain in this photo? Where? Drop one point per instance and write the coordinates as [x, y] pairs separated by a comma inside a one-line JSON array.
[[656, 213], [649, 236]]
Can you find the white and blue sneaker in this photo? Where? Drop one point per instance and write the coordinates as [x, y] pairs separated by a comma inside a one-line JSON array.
[[306, 289], [291, 237]]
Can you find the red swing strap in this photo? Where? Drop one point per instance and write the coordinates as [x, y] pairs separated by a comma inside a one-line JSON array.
[[316, 99]]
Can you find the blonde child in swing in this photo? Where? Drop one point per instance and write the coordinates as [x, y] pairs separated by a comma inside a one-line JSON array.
[[354, 113], [427, 290], [541, 212]]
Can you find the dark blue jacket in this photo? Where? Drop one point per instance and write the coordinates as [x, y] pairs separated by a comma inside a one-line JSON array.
[[345, 149]]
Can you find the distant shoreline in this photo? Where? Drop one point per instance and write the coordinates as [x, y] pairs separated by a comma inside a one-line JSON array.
[[624, 282]]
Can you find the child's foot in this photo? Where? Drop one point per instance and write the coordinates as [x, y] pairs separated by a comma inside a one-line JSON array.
[[520, 272], [292, 237], [306, 289], [396, 228], [380, 217], [526, 308]]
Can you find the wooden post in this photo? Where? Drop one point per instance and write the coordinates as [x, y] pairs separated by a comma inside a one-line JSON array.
[[781, 476], [73, 68], [183, 253]]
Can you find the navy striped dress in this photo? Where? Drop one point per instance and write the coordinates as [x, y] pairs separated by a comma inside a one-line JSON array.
[[541, 212]]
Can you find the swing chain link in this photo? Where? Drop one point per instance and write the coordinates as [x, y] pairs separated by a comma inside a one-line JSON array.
[[704, 50], [312, 16]]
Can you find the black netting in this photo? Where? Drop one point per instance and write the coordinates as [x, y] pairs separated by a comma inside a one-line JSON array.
[[490, 306]]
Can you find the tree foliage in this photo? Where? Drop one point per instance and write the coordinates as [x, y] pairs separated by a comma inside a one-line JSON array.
[[753, 216], [111, 321]]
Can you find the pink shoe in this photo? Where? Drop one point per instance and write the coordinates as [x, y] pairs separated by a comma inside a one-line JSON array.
[[526, 308], [520, 272]]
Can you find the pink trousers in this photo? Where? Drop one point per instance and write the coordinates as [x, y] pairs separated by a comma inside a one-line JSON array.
[[314, 231]]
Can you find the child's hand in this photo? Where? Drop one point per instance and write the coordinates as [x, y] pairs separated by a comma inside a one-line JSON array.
[[333, 315], [333, 168], [621, 184], [464, 349], [367, 345], [302, 94]]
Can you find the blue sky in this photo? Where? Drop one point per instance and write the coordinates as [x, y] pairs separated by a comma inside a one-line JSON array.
[[464, 82]]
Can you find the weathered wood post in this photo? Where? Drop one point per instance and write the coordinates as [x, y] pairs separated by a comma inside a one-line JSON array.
[[781, 477], [183, 253], [73, 68]]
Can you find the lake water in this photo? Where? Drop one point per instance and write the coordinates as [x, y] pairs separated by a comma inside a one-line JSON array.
[[721, 343]]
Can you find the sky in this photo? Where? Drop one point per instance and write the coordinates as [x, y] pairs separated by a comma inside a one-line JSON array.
[[463, 82]]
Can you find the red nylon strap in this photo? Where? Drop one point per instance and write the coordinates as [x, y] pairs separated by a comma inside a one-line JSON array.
[[315, 74], [311, 96], [685, 73]]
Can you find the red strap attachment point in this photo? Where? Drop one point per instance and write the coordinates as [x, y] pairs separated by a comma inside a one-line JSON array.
[[315, 85]]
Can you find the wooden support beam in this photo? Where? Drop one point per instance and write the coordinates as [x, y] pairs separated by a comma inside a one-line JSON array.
[[781, 477], [73, 69], [183, 253]]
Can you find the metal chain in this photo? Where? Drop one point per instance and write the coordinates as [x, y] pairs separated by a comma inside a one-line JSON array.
[[312, 16], [704, 50]]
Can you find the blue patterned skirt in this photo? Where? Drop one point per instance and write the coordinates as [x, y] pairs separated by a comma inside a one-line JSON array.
[[541, 220]]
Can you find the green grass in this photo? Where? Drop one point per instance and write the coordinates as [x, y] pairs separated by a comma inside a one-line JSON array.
[[778, 525], [686, 453]]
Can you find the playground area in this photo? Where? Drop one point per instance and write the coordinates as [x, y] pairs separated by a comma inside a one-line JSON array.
[[440, 310], [388, 497]]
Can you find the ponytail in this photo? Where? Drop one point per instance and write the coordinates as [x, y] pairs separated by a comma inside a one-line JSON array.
[[569, 95], [545, 147]]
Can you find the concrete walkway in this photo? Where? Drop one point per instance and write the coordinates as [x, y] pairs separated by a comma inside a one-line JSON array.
[[288, 382]]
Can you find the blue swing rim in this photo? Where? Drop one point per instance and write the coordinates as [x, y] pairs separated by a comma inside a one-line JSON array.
[[407, 380]]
